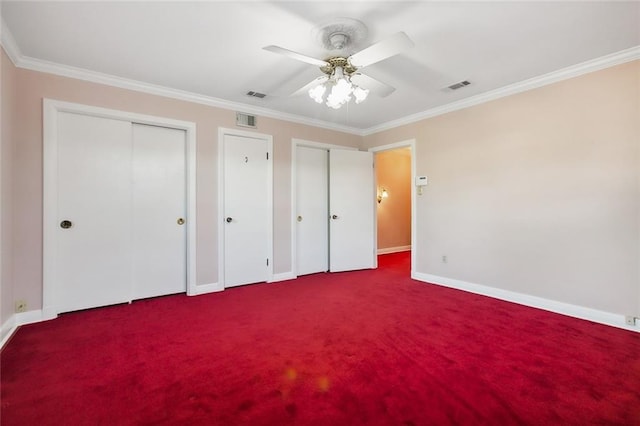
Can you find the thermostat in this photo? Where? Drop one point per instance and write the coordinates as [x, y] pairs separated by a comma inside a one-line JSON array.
[[421, 180]]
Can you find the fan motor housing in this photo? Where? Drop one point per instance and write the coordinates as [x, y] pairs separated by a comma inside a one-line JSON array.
[[335, 62], [340, 33]]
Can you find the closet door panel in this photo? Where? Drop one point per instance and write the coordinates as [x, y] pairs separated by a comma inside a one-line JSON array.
[[93, 256]]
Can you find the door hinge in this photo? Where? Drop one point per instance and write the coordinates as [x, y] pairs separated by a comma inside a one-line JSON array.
[[267, 155], [267, 262]]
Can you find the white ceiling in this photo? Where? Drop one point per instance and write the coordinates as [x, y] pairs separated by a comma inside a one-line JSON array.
[[214, 49]]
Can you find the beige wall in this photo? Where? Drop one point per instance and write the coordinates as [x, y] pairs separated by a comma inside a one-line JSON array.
[[32, 87], [393, 173], [536, 193], [7, 83]]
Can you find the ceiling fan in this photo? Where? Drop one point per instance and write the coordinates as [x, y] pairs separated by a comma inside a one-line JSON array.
[[342, 76]]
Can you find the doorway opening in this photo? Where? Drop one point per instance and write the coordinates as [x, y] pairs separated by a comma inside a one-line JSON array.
[[395, 191]]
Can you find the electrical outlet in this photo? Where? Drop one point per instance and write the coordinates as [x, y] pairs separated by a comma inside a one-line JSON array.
[[21, 306], [630, 320]]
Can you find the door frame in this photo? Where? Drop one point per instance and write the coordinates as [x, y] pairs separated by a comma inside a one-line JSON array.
[[411, 143], [295, 143], [222, 132], [50, 110]]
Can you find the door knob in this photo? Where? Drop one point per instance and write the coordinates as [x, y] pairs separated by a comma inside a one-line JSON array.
[[66, 224], [299, 218], [229, 220], [180, 221], [335, 216]]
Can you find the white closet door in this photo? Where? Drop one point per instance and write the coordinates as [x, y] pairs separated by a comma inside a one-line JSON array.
[[247, 219], [312, 215], [93, 256], [351, 206], [159, 211]]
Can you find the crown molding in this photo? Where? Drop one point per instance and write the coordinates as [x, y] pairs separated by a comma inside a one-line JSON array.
[[34, 64], [8, 43], [607, 61], [22, 61]]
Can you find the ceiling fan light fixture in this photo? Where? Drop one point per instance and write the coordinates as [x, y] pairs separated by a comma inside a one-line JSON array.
[[343, 35], [340, 93], [360, 94], [333, 103], [340, 89], [317, 93]]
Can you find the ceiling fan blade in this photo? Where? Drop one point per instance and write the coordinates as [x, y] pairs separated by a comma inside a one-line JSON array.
[[375, 86], [384, 49], [296, 55], [313, 83]]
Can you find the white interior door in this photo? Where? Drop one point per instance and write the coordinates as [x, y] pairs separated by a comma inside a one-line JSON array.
[[159, 211], [247, 218], [312, 213], [351, 206], [93, 255]]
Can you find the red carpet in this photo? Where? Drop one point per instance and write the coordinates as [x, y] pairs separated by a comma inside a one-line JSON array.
[[367, 347]]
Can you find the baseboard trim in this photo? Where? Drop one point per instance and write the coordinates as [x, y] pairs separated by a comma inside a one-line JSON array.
[[16, 320], [589, 314], [207, 288], [29, 317], [390, 250], [8, 328], [285, 276], [49, 313]]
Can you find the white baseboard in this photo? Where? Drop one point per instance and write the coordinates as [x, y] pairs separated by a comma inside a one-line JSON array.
[[390, 250], [285, 276], [8, 328], [594, 315], [49, 313], [15, 321], [29, 317], [207, 288]]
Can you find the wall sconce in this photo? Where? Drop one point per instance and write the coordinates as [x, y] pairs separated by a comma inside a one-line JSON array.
[[382, 194]]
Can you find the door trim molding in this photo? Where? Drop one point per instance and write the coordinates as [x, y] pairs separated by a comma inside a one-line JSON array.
[[411, 143], [295, 143], [50, 110], [222, 132]]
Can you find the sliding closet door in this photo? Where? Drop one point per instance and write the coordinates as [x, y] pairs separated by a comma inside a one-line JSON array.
[[121, 212], [159, 211], [93, 256]]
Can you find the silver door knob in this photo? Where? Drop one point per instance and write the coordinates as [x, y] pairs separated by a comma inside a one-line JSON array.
[[229, 220], [180, 221], [334, 217], [299, 218], [66, 224]]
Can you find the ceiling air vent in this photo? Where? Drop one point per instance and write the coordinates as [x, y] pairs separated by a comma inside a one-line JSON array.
[[245, 120], [255, 94], [459, 85]]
